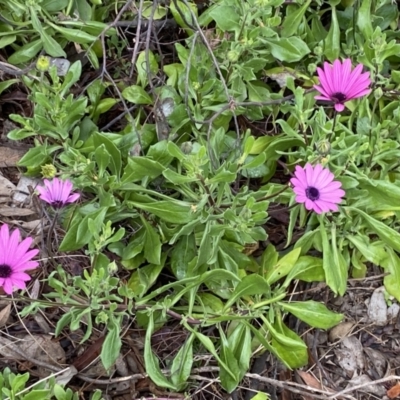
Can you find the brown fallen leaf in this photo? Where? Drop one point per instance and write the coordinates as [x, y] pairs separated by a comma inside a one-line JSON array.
[[9, 157], [312, 382], [4, 314], [394, 391], [89, 355], [6, 189], [40, 349], [309, 380], [6, 211]]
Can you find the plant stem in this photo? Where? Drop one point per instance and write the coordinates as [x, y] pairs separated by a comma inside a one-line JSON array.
[[335, 117]]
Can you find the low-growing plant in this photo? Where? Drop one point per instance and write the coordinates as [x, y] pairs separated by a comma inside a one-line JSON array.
[[13, 387], [182, 203]]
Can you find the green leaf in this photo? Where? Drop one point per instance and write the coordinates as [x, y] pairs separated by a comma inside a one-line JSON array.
[[176, 178], [364, 19], [392, 281], [239, 342], [26, 52], [183, 252], [283, 266], [78, 235], [51, 46], [141, 167], [280, 337], [250, 285], [260, 338], [261, 396], [340, 264], [295, 356], [54, 5], [152, 243], [174, 211], [280, 143], [215, 275], [159, 12], [102, 157], [73, 75], [19, 381], [226, 17], [115, 161], [208, 344], [182, 365], [313, 313], [84, 10], [145, 71], [292, 21], [143, 278], [226, 354], [182, 13], [112, 345], [308, 269], [384, 192], [372, 252], [290, 50], [38, 394], [74, 35], [152, 366], [332, 41], [35, 157], [136, 95], [7, 40], [387, 234], [254, 162], [334, 275]]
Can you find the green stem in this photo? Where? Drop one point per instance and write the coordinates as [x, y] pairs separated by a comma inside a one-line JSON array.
[[335, 117], [269, 301]]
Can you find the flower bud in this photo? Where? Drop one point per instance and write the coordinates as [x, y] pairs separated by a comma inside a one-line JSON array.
[[48, 171], [318, 50], [233, 55], [323, 147], [43, 63], [187, 147], [378, 93], [312, 68], [112, 268]]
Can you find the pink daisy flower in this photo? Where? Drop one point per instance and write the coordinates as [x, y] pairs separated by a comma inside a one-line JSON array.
[[315, 187], [57, 192], [15, 259], [338, 83]]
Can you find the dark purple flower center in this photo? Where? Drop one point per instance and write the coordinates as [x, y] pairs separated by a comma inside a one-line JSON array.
[[338, 97], [5, 271], [57, 204], [312, 193]]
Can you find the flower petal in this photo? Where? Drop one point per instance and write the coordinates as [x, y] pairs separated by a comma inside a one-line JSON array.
[[339, 107]]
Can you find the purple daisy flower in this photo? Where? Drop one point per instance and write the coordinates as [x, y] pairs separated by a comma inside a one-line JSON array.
[[15, 259], [338, 83], [315, 187], [57, 192]]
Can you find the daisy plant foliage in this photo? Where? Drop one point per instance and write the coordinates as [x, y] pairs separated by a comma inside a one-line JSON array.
[[265, 159]]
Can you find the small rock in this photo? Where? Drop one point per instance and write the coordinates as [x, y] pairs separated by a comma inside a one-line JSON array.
[[6, 189], [377, 308], [21, 194], [340, 331], [350, 355], [372, 388], [393, 311]]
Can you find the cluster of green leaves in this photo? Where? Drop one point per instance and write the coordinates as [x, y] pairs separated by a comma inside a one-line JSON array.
[[196, 227], [32, 26], [13, 387], [177, 197]]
